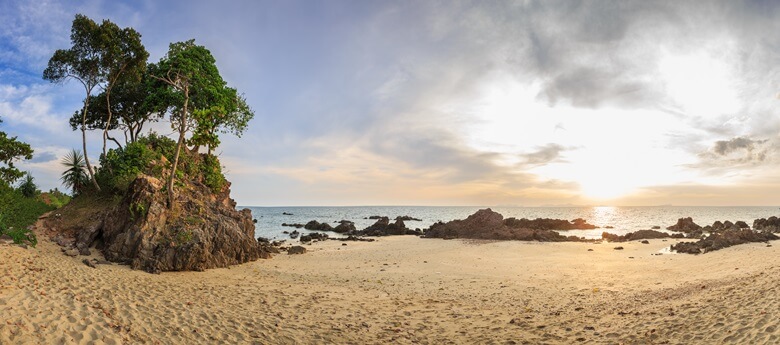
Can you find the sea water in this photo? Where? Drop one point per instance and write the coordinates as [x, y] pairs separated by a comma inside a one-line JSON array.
[[621, 219]]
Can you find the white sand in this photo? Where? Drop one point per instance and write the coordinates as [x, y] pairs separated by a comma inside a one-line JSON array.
[[403, 290]]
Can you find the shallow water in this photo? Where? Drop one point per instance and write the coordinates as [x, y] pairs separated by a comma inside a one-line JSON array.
[[623, 219]]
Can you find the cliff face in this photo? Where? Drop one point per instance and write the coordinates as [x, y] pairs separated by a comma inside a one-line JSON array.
[[203, 230]]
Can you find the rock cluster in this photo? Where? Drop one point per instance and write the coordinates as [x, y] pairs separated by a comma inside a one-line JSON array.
[[638, 235], [383, 227], [771, 224], [315, 225], [490, 225], [722, 239], [549, 224]]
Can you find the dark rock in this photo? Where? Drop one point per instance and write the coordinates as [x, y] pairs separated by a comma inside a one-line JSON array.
[[408, 218], [315, 225], [486, 224], [296, 250], [375, 217], [6, 239], [383, 227], [771, 224], [254, 220], [263, 240], [741, 225], [684, 225], [286, 214], [305, 238], [638, 235], [89, 263], [295, 234], [343, 244], [645, 242], [85, 252], [344, 227], [548, 224], [723, 239], [72, 252], [353, 238], [618, 248], [296, 225]]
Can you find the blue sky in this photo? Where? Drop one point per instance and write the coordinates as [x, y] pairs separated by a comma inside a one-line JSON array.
[[450, 102]]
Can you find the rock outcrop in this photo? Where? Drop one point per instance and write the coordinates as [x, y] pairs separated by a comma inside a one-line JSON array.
[[490, 225], [549, 224], [684, 225], [723, 239], [317, 226], [638, 235], [771, 224], [383, 227], [203, 230]]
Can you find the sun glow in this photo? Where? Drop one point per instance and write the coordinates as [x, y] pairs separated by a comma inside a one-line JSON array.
[[699, 83]]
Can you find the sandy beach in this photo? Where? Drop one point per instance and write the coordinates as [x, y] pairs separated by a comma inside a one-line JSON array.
[[402, 290]]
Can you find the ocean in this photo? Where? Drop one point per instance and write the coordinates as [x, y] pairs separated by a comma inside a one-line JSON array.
[[622, 219]]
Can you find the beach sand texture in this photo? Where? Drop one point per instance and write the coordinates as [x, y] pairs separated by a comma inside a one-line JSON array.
[[403, 290]]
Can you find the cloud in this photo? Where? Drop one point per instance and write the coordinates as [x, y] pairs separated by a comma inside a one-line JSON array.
[[725, 147], [545, 154]]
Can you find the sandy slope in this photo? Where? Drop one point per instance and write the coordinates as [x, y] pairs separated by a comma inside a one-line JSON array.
[[404, 290]]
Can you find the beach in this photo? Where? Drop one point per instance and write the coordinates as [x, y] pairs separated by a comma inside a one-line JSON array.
[[404, 290]]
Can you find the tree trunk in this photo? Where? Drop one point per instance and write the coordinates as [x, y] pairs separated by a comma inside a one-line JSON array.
[[182, 131], [84, 142], [108, 122]]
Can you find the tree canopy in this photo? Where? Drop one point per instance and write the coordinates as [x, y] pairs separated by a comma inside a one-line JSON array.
[[12, 150]]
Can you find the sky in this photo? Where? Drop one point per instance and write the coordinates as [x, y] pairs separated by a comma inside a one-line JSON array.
[[523, 103]]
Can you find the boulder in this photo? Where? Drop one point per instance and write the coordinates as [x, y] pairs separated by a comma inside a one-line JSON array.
[[383, 227], [548, 224], [296, 250], [408, 218], [684, 225], [315, 225], [344, 226], [771, 224], [295, 225]]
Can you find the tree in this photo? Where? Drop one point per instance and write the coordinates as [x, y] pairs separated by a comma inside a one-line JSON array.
[[12, 150], [131, 105], [229, 114], [74, 176], [81, 62], [194, 85], [123, 59], [28, 187]]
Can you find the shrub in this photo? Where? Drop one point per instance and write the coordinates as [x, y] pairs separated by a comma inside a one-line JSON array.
[[212, 173]]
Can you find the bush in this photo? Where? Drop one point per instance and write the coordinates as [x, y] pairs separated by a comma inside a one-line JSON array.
[[212, 173], [119, 167], [18, 212]]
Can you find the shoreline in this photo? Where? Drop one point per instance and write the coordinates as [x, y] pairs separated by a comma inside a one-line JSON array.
[[403, 290]]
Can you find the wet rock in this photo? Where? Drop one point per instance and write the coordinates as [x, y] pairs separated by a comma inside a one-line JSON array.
[[408, 218], [741, 225], [296, 250], [293, 225], [645, 242], [295, 234], [287, 214], [684, 225], [383, 227]]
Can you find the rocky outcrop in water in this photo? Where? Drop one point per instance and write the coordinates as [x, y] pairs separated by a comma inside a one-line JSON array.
[[489, 225], [684, 225], [344, 226], [723, 239], [315, 225], [638, 235], [383, 227]]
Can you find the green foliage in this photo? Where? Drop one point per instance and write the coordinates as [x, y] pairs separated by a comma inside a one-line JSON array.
[[12, 150], [75, 176], [18, 212], [212, 173], [119, 167], [28, 187], [55, 198], [20, 236]]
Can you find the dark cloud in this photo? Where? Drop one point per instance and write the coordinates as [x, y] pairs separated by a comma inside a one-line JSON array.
[[725, 147]]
